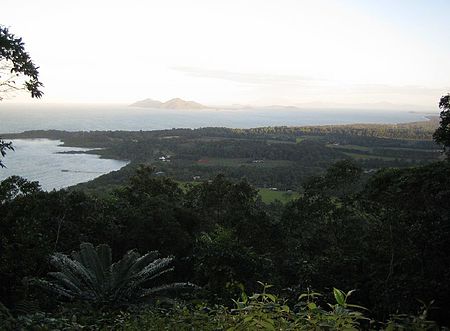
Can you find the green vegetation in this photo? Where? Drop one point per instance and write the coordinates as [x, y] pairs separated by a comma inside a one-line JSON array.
[[269, 196], [260, 311], [237, 162], [91, 276], [280, 157], [342, 231], [350, 147], [212, 162], [442, 134], [358, 156]]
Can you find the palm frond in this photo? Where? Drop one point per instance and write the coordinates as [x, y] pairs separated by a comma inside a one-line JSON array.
[[52, 287], [73, 269], [88, 275], [91, 262], [65, 281], [169, 287]]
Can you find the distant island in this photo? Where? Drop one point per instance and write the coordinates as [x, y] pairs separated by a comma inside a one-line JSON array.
[[178, 103], [175, 103]]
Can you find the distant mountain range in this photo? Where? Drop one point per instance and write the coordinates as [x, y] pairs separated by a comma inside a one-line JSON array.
[[176, 103]]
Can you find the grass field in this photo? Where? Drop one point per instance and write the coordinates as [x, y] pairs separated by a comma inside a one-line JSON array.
[[211, 162], [353, 147], [413, 149], [273, 141], [363, 152], [269, 196], [228, 162], [370, 149], [365, 156], [300, 139]]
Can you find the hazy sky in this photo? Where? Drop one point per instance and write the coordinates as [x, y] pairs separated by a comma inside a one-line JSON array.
[[252, 52]]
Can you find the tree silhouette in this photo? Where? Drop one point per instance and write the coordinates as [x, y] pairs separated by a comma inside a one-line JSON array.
[[442, 134], [16, 66], [17, 72]]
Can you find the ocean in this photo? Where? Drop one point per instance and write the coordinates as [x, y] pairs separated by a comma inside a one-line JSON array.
[[22, 117]]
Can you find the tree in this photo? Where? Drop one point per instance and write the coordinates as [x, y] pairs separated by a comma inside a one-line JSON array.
[[341, 179], [16, 66], [89, 275], [442, 134], [4, 145], [17, 72]]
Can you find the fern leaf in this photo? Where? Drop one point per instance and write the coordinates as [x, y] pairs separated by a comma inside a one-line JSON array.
[[74, 269], [51, 287], [91, 262], [65, 281], [169, 287]]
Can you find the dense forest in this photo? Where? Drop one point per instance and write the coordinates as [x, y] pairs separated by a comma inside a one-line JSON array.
[[355, 249]]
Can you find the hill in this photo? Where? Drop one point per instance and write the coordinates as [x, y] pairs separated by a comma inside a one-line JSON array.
[[175, 103], [147, 103]]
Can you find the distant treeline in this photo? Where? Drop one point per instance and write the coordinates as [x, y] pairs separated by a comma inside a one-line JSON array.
[[299, 152]]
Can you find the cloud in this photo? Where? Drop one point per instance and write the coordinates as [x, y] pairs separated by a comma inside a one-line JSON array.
[[266, 79], [246, 78], [391, 89]]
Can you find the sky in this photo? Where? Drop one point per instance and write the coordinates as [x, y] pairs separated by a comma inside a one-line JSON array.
[[221, 52]]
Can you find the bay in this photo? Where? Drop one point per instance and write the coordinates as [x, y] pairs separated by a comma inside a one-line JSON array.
[[40, 160]]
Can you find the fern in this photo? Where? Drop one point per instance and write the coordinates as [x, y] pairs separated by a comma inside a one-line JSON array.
[[90, 275]]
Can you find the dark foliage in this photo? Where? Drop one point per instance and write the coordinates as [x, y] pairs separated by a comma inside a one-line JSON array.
[[12, 50], [442, 134], [387, 237]]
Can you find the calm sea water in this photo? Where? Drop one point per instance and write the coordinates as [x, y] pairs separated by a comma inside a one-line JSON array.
[[18, 118], [38, 159]]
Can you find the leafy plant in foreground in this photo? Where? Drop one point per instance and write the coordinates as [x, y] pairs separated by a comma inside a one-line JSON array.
[[266, 311], [89, 275], [419, 322]]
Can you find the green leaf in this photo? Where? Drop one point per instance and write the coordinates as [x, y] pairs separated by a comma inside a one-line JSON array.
[[244, 297], [271, 297], [339, 296], [312, 306], [267, 324], [303, 295], [349, 293], [356, 306], [286, 308]]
